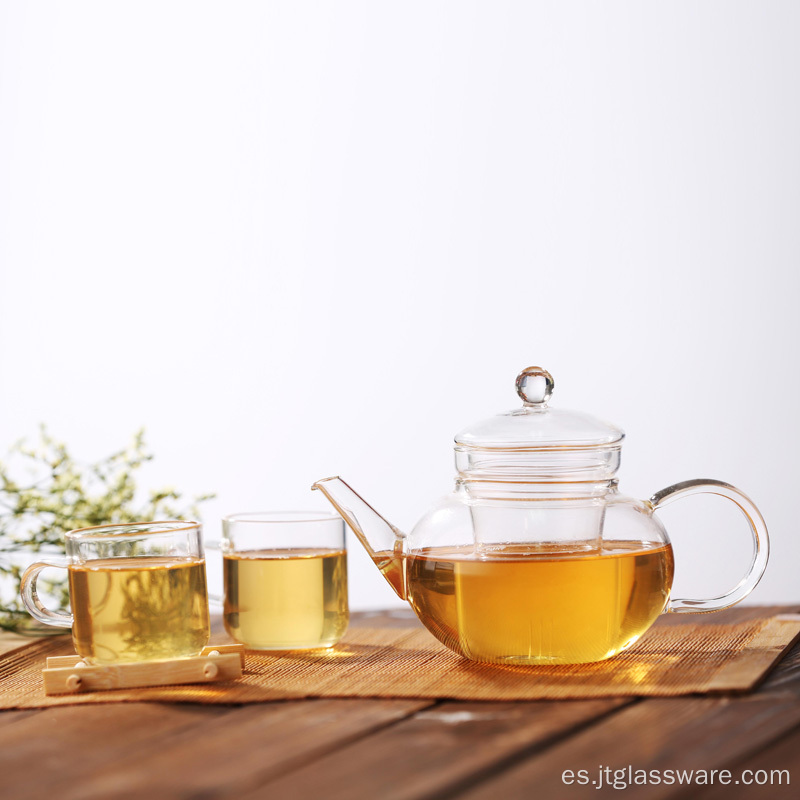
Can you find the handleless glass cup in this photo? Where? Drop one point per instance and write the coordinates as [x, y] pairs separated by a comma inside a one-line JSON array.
[[285, 579], [137, 591]]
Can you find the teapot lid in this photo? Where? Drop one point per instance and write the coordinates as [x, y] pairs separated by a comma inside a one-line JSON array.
[[536, 442]]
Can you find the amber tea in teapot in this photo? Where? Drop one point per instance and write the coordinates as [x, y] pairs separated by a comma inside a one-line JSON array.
[[539, 605], [536, 557]]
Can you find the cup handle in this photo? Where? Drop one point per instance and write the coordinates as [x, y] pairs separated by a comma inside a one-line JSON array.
[[758, 529], [30, 597]]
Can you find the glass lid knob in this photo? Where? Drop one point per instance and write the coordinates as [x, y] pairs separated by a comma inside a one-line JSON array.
[[534, 386]]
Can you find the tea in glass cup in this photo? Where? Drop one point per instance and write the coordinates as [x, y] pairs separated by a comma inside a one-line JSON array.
[[137, 592], [285, 579]]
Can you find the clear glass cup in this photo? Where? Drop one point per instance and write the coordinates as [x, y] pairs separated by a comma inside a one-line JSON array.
[[285, 579], [137, 591]]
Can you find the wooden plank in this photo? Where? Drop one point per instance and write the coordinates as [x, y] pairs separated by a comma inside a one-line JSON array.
[[48, 752], [765, 767], [10, 717], [436, 751], [684, 733], [228, 755]]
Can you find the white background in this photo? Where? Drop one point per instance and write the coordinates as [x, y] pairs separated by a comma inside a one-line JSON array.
[[297, 239]]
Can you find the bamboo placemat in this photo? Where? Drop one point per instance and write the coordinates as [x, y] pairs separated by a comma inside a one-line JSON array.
[[670, 660]]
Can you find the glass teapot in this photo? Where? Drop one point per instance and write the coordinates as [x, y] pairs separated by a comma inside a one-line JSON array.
[[536, 558]]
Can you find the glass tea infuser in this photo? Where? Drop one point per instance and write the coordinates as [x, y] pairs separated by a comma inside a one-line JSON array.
[[537, 558]]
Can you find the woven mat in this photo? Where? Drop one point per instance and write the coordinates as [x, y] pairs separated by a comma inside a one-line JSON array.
[[669, 660]]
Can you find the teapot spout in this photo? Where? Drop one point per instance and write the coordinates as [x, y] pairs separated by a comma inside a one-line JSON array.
[[380, 538]]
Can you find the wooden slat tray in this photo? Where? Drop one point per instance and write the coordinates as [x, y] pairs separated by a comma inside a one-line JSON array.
[[70, 674]]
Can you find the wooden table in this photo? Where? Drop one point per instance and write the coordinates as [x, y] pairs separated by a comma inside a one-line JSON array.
[[353, 749]]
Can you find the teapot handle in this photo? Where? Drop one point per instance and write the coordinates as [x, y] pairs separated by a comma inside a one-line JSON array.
[[758, 528]]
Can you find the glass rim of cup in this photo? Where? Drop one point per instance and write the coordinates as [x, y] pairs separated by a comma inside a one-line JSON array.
[[281, 517], [133, 530]]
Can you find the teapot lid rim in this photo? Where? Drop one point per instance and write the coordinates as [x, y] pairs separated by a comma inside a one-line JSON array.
[[540, 429], [530, 447]]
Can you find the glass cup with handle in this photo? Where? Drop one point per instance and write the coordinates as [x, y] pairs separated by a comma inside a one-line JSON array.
[[137, 591], [285, 579]]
